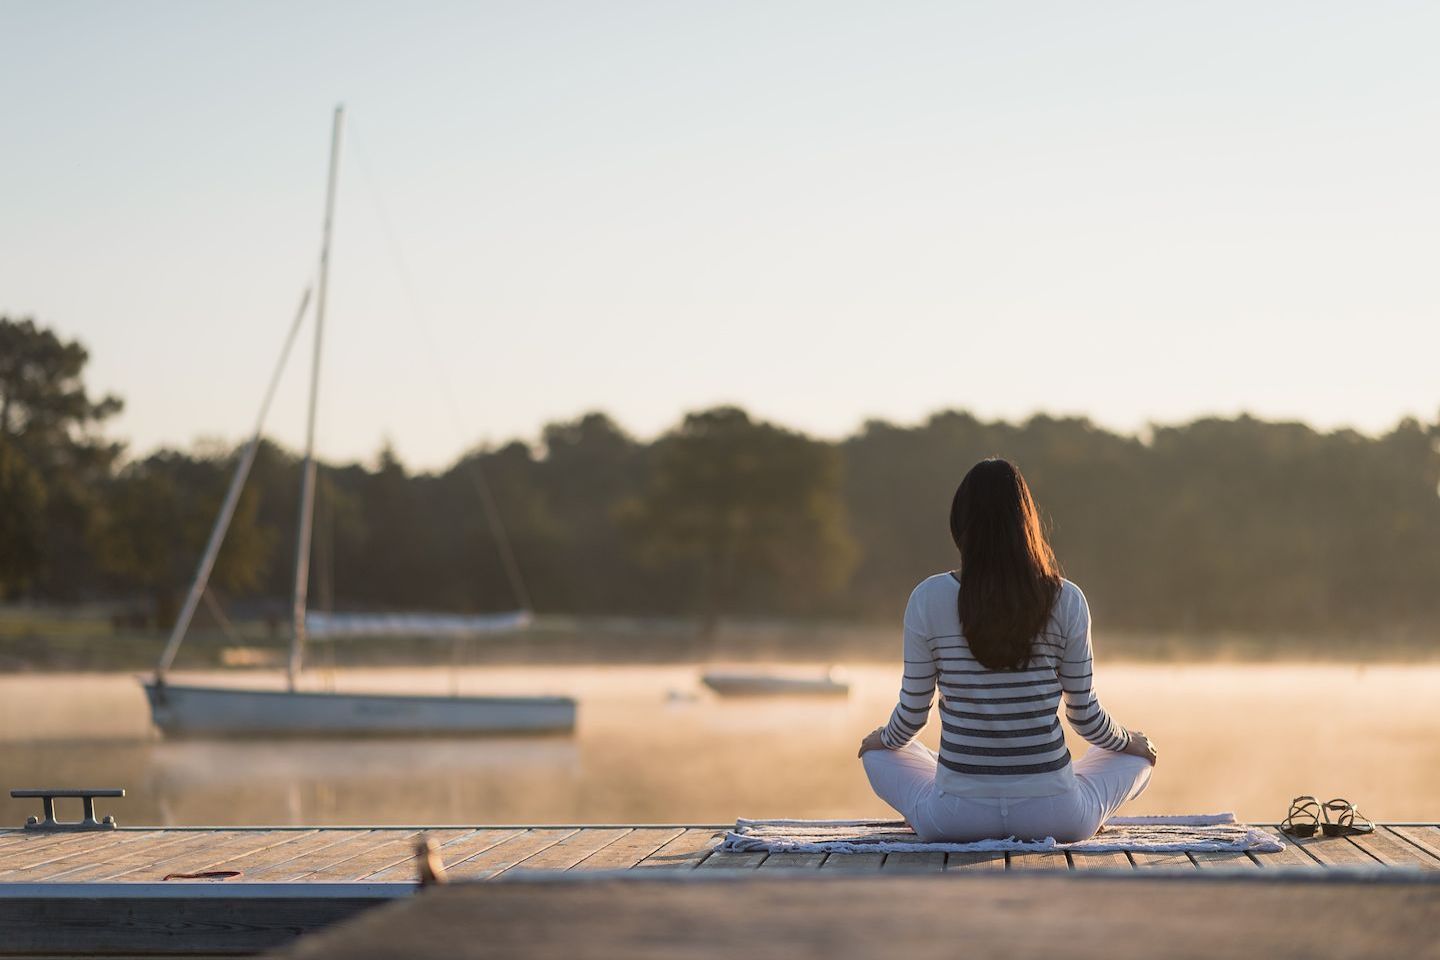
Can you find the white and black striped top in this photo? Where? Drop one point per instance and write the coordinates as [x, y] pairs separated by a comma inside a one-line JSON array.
[[1000, 729]]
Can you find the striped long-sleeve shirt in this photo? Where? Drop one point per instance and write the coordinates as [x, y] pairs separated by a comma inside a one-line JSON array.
[[1000, 729]]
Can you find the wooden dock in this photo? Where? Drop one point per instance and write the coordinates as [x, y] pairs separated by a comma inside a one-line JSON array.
[[82, 892]]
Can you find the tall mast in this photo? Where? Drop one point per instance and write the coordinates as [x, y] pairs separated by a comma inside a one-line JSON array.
[[307, 472]]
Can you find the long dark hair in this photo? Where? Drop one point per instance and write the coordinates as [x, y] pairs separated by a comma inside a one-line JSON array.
[[1008, 575]]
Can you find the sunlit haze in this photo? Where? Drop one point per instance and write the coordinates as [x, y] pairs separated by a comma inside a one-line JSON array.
[[824, 212]]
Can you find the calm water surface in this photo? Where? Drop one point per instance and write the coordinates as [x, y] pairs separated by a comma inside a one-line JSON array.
[[653, 746]]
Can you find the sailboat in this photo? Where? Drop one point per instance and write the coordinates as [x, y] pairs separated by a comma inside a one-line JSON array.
[[188, 710]]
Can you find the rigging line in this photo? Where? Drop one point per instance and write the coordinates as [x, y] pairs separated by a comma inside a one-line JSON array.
[[232, 499], [469, 464]]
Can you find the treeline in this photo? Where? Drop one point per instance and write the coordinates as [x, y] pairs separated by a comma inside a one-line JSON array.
[[1215, 525]]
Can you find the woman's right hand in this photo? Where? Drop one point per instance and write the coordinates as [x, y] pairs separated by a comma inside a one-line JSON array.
[[1141, 746]]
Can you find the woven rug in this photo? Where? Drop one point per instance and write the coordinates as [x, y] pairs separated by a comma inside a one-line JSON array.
[[1161, 834]]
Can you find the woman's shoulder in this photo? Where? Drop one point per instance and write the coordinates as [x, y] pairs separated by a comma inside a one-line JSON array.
[[939, 584], [930, 597], [1070, 600]]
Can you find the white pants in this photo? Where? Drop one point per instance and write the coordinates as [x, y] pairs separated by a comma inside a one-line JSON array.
[[1104, 780]]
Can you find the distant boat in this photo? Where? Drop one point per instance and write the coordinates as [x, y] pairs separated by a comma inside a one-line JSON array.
[[746, 684], [185, 710], [180, 710]]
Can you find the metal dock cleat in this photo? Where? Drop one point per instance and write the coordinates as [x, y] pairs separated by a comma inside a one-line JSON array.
[[50, 824]]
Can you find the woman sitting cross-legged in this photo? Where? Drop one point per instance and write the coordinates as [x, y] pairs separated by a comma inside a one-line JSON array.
[[1005, 639]]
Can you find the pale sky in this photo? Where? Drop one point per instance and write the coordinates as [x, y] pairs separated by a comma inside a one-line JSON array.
[[825, 212]]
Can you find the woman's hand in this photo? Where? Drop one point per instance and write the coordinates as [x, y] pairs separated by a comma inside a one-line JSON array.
[[1141, 746], [872, 741]]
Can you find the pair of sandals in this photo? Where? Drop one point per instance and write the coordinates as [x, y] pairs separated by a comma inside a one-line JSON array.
[[1333, 818]]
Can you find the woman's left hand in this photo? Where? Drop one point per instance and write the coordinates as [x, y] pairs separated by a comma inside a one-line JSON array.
[[872, 741]]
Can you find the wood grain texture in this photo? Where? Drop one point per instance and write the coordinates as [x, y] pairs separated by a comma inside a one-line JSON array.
[[160, 928], [507, 854], [572, 849], [452, 853], [342, 854], [864, 862], [1427, 838], [1047, 860], [788, 916], [1334, 851], [45, 861], [974, 861], [111, 863], [303, 862], [1098, 860], [1291, 857], [727, 860], [389, 852], [684, 852], [919, 862], [793, 861], [1395, 851], [629, 850], [1218, 860], [1146, 860]]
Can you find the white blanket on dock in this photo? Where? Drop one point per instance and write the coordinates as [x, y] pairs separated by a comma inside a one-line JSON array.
[[1159, 834]]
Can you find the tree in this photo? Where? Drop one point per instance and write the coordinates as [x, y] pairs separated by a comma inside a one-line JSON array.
[[50, 419], [22, 509], [161, 510], [753, 509]]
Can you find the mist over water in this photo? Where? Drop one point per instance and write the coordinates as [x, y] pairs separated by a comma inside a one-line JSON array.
[[653, 745]]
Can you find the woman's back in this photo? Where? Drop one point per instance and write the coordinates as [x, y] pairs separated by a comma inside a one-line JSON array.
[[1000, 729]]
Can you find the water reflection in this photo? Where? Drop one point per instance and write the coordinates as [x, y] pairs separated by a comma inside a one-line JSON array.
[[652, 746]]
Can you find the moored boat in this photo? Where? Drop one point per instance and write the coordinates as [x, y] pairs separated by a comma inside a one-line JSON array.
[[729, 683]]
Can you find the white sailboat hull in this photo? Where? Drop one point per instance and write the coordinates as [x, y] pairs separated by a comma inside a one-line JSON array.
[[772, 685], [194, 711]]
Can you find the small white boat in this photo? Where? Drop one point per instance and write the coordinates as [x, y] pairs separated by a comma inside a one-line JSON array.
[[739, 684], [182, 710]]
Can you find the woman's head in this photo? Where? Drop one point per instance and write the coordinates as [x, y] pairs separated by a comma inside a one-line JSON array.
[[1008, 574]]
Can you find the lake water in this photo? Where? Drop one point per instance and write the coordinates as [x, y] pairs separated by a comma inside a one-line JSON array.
[[1241, 737]]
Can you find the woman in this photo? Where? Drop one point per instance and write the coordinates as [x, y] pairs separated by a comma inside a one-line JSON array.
[[1005, 639]]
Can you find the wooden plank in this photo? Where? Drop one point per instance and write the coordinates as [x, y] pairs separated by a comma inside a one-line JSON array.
[[387, 853], [501, 857], [974, 861], [1334, 851], [684, 852], [302, 844], [48, 858], [726, 860], [1149, 860], [574, 848], [118, 858], [920, 861], [793, 861], [188, 856], [1292, 856], [853, 917], [48, 849], [457, 851], [206, 857], [1427, 838], [1222, 860], [352, 843], [1100, 860], [142, 926], [629, 849], [863, 862], [1039, 860], [1395, 851]]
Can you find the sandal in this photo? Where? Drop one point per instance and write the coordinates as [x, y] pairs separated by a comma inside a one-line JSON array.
[[1304, 817], [1348, 821]]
